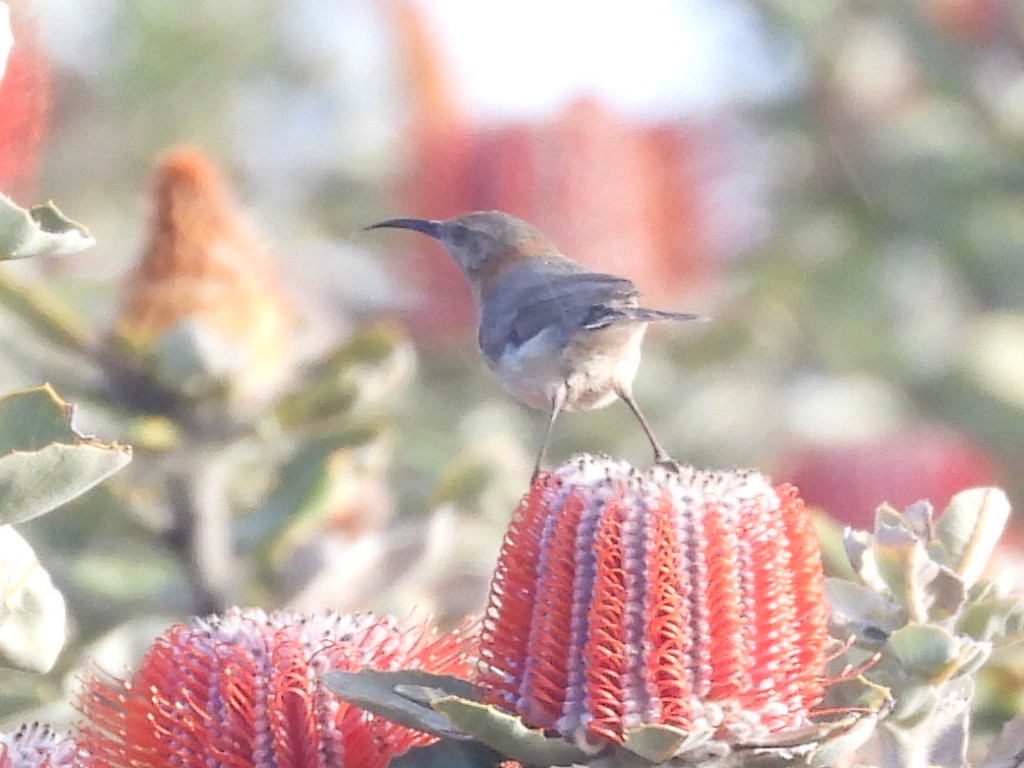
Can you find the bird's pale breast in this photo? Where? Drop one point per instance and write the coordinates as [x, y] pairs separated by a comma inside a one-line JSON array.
[[589, 368]]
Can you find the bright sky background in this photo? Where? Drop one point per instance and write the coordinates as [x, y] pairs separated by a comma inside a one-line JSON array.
[[513, 57], [653, 57]]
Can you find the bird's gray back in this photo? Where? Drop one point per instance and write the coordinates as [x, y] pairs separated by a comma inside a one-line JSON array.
[[553, 294]]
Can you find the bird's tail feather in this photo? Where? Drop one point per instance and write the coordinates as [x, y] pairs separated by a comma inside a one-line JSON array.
[[657, 315], [602, 317]]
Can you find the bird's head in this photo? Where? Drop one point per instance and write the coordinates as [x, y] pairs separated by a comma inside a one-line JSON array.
[[483, 244]]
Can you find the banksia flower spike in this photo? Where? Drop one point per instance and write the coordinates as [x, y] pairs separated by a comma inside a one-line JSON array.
[[624, 599], [37, 746], [205, 303], [244, 689]]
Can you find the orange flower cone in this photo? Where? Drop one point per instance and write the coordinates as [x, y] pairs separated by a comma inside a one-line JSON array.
[[206, 270]]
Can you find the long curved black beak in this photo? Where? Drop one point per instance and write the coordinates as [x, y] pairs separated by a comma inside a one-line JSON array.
[[426, 226]]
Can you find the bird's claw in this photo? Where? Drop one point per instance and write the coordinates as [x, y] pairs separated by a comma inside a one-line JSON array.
[[667, 462]]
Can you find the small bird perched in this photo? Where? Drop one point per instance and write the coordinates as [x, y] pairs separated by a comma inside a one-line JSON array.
[[558, 336]]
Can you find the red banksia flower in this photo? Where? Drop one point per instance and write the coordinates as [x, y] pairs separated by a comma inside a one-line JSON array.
[[37, 746], [624, 598], [244, 689]]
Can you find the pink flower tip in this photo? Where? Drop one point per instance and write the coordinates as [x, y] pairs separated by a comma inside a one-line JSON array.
[[37, 745]]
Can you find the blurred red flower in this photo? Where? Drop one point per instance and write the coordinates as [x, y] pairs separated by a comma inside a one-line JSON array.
[[970, 21], [849, 481], [24, 107]]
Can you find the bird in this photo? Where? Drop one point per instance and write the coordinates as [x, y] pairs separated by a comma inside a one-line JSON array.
[[558, 336]]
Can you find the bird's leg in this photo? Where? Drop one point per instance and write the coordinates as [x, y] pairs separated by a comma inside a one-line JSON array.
[[557, 403], [661, 456]]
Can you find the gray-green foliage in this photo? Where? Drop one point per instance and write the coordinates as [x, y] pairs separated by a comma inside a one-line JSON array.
[[473, 733], [44, 463], [924, 615], [39, 231]]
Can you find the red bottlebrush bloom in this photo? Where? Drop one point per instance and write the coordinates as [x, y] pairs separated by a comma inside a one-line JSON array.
[[625, 598], [37, 746], [244, 689]]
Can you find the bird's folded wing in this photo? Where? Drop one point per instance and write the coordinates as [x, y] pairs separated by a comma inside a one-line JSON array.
[[561, 305]]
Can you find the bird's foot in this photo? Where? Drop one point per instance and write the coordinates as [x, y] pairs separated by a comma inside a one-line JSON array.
[[667, 462]]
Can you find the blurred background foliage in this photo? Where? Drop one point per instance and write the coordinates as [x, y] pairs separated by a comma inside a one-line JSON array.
[[839, 185]]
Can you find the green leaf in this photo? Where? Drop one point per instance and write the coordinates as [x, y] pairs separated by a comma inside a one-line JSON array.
[[913, 704], [1008, 747], [904, 566], [857, 694], [843, 742], [295, 508], [32, 484], [354, 377], [826, 738], [194, 359], [658, 743], [43, 462], [308, 487], [929, 727], [999, 620], [39, 231], [862, 612], [834, 555], [378, 692], [887, 515], [507, 734], [969, 530], [944, 595], [32, 419], [449, 754], [32, 615], [919, 517], [46, 315], [862, 560], [927, 652]]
